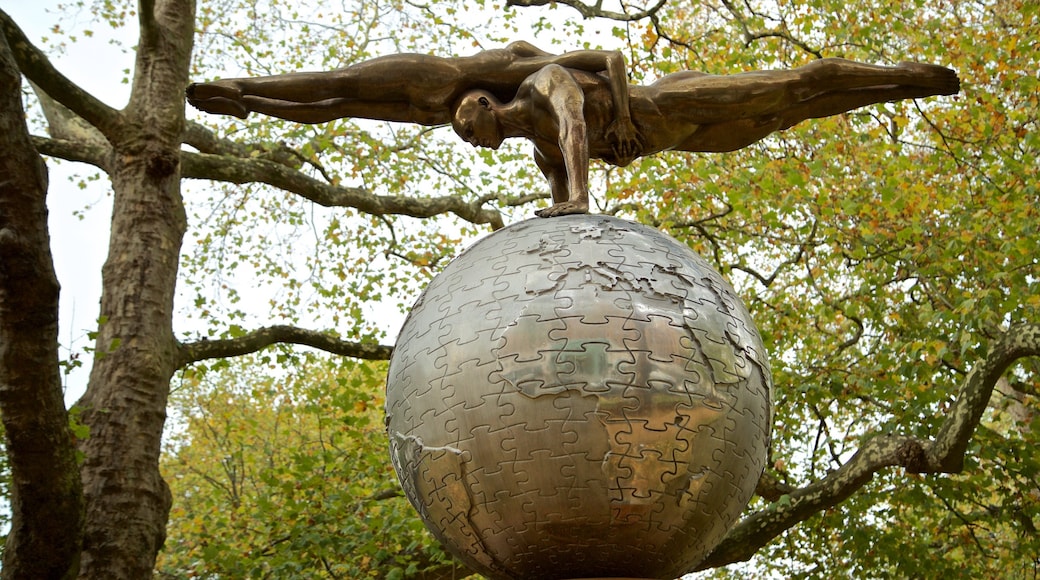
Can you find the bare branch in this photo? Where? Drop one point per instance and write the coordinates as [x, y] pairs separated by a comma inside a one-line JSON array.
[[518, 200], [256, 170], [767, 281], [946, 455], [771, 488], [94, 154], [699, 222], [386, 494], [593, 11], [35, 65], [65, 125], [62, 123], [758, 529], [943, 455], [751, 36], [147, 22], [664, 34], [251, 342], [206, 141], [237, 170]]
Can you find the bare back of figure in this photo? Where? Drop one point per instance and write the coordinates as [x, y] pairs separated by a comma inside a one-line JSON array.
[[408, 87]]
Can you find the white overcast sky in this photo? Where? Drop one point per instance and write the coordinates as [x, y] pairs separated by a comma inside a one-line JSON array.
[[79, 245]]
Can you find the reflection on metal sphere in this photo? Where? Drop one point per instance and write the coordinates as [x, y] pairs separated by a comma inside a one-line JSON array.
[[579, 396]]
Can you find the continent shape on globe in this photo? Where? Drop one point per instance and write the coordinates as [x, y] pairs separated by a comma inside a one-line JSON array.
[[576, 397]]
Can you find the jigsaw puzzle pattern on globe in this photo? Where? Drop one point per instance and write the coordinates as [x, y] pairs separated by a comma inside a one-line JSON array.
[[575, 397]]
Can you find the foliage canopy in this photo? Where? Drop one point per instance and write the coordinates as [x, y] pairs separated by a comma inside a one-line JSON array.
[[288, 478], [889, 255]]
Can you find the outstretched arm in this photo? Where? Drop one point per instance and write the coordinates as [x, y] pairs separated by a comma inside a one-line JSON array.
[[555, 171], [622, 133], [556, 92], [531, 58], [525, 49]]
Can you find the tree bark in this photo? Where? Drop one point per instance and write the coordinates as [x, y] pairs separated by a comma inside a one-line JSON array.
[[46, 496], [127, 502]]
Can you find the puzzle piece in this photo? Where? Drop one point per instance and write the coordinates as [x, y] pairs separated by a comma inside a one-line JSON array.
[[726, 364], [613, 331]]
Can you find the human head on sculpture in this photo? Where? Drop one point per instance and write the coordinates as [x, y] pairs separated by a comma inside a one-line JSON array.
[[473, 118]]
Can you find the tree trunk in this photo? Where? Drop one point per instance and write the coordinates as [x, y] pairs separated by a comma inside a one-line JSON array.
[[46, 498], [127, 502]]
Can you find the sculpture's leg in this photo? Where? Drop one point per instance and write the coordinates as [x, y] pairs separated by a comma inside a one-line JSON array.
[[837, 102], [701, 99], [218, 105], [837, 74], [739, 133], [710, 99], [338, 108], [297, 87], [427, 82], [304, 97], [729, 135]]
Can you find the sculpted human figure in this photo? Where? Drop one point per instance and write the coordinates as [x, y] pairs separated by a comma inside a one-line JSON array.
[[410, 88], [565, 112], [574, 106]]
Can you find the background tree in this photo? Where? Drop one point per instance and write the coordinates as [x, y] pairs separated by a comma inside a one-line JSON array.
[[888, 255], [288, 478], [45, 494]]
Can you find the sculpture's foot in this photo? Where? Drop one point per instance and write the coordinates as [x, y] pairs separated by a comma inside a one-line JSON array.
[[217, 98], [227, 89], [933, 76], [563, 208]]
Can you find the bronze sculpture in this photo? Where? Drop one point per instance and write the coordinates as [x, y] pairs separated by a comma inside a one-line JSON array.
[[563, 112], [574, 106], [408, 87], [556, 409]]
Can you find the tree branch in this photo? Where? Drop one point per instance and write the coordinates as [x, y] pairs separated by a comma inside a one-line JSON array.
[[35, 65], [237, 170], [62, 123], [146, 20], [206, 141], [945, 454], [256, 170], [92, 154], [251, 342], [758, 529], [386, 494], [593, 11], [770, 488], [781, 32]]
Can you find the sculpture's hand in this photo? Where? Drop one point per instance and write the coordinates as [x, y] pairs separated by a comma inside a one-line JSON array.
[[625, 140]]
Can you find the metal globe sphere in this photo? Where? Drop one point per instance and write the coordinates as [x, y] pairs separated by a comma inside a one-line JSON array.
[[579, 396]]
